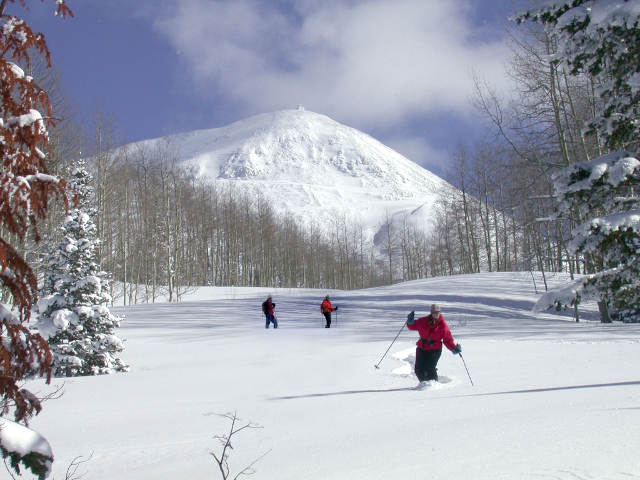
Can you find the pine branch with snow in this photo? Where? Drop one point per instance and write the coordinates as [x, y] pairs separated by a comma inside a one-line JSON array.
[[603, 190], [23, 447]]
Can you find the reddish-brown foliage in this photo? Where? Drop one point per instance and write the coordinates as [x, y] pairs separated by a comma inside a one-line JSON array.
[[26, 189]]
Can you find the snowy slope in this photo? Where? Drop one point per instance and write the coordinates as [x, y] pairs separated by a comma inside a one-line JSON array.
[[552, 398], [310, 165]]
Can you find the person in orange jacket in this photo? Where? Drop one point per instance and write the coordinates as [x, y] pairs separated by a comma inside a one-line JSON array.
[[434, 332], [326, 310]]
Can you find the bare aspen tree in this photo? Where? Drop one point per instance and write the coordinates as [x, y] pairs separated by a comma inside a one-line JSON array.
[[388, 237], [536, 133]]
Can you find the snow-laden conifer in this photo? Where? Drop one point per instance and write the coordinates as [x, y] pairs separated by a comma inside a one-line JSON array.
[[73, 315], [601, 39], [603, 190]]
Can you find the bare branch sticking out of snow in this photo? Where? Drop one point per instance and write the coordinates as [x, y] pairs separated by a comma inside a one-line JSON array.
[[225, 440]]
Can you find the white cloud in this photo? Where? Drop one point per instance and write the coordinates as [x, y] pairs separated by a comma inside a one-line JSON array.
[[366, 63], [419, 150], [381, 66]]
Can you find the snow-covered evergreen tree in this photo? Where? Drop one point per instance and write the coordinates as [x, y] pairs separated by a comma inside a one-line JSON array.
[[601, 38], [610, 241], [73, 315]]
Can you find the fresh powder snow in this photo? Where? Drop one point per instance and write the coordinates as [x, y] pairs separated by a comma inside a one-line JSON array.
[[552, 398]]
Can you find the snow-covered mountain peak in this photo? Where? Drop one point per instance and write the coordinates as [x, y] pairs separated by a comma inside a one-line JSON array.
[[311, 165]]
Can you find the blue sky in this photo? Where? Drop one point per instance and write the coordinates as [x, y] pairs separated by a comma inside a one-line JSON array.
[[395, 69]]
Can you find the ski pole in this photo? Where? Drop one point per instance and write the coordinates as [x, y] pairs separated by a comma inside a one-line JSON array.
[[465, 367], [385, 353]]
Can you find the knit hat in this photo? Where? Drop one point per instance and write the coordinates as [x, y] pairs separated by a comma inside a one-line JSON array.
[[435, 308]]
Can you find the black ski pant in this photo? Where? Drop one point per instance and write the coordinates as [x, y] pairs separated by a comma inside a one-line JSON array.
[[426, 363], [327, 316]]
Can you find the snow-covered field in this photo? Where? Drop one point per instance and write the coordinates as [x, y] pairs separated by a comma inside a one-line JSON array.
[[552, 398]]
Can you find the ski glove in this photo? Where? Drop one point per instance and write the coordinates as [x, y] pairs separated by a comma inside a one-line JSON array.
[[336, 308], [457, 349], [411, 318]]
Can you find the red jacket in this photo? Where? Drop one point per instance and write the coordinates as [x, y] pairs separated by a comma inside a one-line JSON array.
[[434, 330], [326, 306], [270, 306]]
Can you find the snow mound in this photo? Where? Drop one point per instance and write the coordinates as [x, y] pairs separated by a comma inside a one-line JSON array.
[[21, 440]]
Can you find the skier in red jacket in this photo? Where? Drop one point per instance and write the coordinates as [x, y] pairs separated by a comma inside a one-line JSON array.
[[433, 331], [326, 310]]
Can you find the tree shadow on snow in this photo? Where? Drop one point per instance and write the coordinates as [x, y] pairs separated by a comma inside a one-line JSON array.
[[554, 389], [346, 392], [404, 389]]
